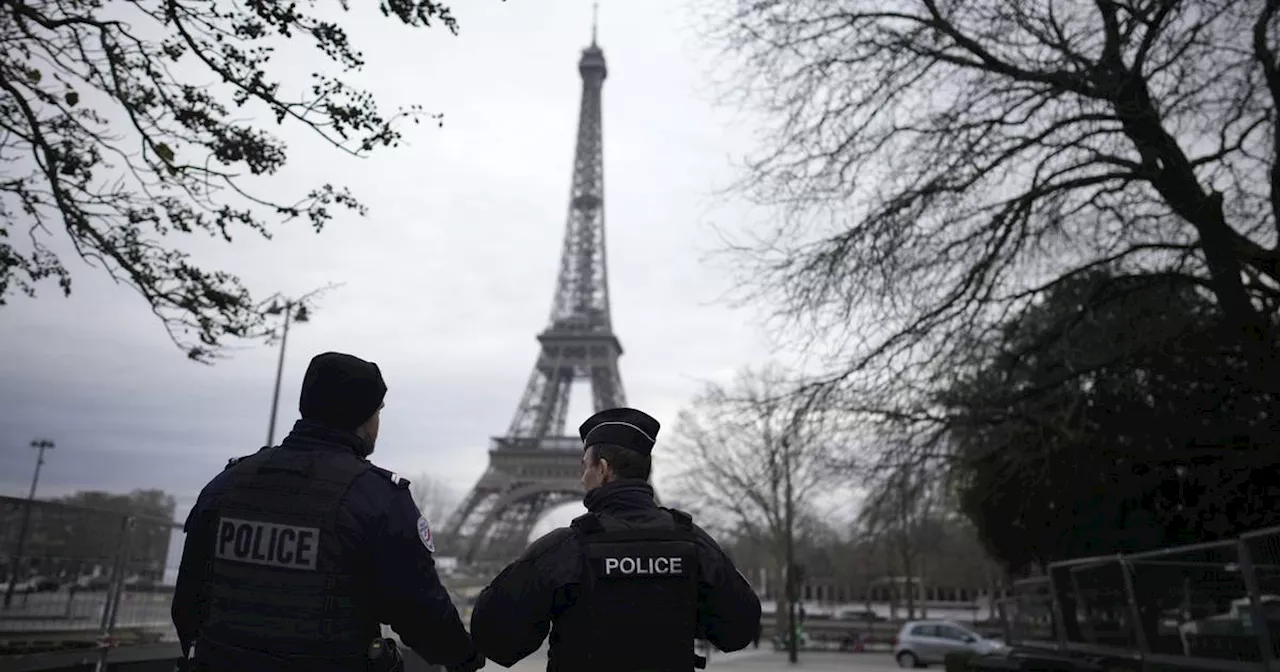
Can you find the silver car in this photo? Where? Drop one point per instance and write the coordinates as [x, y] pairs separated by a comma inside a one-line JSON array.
[[922, 643]]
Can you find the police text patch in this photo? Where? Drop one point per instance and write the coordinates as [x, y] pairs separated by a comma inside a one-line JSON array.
[[629, 567], [269, 544]]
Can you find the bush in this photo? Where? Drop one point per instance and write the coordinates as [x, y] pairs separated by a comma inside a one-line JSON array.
[[959, 661]]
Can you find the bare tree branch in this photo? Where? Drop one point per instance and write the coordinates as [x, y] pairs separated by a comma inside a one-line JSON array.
[[179, 155], [938, 166], [739, 444]]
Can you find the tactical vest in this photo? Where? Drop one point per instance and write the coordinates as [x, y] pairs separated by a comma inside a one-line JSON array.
[[282, 582], [638, 606]]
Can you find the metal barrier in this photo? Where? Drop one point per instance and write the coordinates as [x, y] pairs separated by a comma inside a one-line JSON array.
[[1027, 615], [1213, 606], [76, 577]]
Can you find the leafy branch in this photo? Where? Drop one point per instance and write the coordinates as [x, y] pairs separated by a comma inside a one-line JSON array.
[[180, 154]]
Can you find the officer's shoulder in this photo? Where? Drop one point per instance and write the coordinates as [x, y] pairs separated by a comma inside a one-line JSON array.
[[390, 477], [680, 517], [700, 535], [237, 460], [548, 543], [234, 461]]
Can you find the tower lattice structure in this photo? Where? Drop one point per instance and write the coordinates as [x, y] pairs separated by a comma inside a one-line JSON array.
[[536, 466]]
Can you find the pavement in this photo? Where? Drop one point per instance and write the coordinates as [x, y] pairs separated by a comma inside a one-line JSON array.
[[757, 660], [62, 613]]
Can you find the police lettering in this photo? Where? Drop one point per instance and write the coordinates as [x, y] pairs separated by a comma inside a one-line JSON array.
[[267, 544], [643, 566]]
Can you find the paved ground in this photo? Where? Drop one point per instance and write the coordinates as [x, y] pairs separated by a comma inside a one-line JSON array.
[[758, 660]]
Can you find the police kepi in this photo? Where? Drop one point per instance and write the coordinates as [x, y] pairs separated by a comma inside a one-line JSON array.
[[627, 587], [297, 554]]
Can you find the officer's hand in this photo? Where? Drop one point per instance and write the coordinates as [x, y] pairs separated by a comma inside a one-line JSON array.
[[476, 662]]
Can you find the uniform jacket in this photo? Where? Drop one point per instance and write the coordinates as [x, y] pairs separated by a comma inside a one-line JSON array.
[[377, 516], [515, 613]]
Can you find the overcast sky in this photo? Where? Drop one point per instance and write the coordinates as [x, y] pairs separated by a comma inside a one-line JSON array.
[[446, 282]]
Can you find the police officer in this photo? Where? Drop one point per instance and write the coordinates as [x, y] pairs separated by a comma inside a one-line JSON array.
[[628, 586], [296, 554]]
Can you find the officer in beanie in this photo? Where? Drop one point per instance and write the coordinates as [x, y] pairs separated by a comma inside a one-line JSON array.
[[297, 554], [629, 586]]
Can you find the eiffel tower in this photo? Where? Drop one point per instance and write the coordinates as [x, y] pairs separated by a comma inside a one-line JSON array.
[[536, 466]]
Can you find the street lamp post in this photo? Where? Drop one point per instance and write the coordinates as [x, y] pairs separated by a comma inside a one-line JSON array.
[[293, 311], [789, 514], [40, 445]]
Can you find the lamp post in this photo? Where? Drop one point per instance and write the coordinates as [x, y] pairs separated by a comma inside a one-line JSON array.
[[789, 515], [296, 311], [40, 445]]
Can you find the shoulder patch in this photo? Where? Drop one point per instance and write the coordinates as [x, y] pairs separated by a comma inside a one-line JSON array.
[[237, 460], [424, 533], [395, 478]]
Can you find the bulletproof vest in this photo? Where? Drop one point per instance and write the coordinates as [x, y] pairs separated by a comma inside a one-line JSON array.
[[282, 580], [638, 602]]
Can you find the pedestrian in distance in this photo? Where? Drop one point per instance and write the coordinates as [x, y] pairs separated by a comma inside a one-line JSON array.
[[629, 586], [297, 554]]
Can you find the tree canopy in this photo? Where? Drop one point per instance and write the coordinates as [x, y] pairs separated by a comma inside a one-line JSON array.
[[125, 121], [1111, 417]]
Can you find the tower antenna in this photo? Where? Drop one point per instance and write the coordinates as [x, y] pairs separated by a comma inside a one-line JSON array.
[[595, 20]]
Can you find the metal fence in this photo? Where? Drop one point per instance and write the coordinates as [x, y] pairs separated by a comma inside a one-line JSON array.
[[76, 577], [1212, 606]]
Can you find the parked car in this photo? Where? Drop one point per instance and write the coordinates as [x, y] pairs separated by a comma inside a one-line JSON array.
[[35, 584], [924, 643], [93, 583], [43, 584], [858, 615]]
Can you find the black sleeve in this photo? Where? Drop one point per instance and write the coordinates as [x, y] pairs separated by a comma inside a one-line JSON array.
[[512, 615], [188, 607], [728, 608], [408, 591]]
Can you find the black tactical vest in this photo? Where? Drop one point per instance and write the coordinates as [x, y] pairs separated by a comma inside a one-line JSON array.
[[638, 606], [282, 582]]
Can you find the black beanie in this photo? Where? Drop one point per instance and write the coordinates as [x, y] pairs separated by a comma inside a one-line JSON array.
[[341, 391]]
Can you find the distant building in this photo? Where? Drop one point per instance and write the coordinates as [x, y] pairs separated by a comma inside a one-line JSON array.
[[67, 541]]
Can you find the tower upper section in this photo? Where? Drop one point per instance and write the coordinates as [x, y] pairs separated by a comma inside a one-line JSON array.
[[581, 302], [591, 66]]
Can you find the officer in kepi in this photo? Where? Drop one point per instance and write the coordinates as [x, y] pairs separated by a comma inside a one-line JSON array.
[[297, 554], [627, 587]]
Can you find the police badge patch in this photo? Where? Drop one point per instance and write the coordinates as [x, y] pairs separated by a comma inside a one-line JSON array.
[[424, 533]]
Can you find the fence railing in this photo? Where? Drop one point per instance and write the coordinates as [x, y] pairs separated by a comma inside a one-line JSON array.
[[75, 577], [1207, 606]]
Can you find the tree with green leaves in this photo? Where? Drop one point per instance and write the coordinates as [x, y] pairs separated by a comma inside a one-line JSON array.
[[126, 121], [1112, 417]]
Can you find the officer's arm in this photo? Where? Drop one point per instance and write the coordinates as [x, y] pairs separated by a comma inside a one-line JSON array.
[[409, 594], [512, 615], [188, 607], [728, 608]]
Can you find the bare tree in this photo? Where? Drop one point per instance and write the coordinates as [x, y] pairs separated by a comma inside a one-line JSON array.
[[940, 164], [754, 453], [435, 499], [903, 511]]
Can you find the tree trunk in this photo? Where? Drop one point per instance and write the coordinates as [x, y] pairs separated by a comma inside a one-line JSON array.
[[909, 578]]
